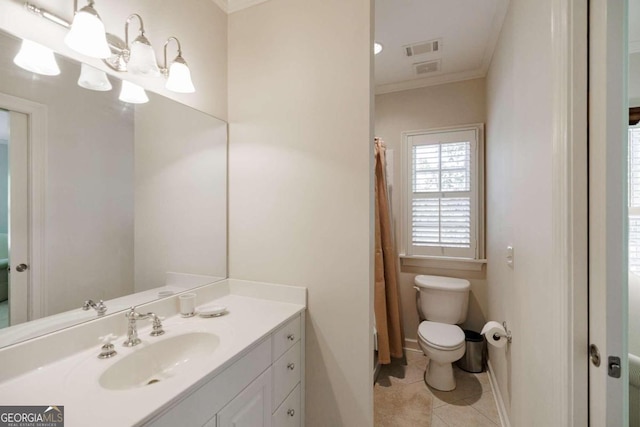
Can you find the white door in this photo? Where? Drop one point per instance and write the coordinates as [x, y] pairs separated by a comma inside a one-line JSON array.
[[18, 218], [608, 270]]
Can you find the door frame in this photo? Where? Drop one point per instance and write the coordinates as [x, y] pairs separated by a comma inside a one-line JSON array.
[[37, 174], [608, 271], [570, 204]]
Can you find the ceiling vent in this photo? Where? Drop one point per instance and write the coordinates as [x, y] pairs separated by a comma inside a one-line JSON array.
[[431, 46], [427, 67]]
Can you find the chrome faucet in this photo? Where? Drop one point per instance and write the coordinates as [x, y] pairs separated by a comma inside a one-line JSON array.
[[132, 330], [99, 307]]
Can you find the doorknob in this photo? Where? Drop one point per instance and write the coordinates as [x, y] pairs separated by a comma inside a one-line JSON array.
[[21, 267]]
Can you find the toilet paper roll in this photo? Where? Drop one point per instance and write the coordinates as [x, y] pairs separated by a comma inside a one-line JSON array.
[[495, 334]]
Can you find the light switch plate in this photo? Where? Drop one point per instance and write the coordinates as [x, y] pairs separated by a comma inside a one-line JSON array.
[[510, 256]]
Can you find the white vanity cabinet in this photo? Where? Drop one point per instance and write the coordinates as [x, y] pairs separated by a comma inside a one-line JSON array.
[[252, 407], [264, 388]]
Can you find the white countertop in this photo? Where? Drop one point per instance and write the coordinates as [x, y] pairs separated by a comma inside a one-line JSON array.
[[72, 380]]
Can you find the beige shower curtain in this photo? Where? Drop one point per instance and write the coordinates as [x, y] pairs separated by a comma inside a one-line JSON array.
[[386, 296]]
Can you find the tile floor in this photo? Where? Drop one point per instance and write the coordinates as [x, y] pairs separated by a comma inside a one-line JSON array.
[[401, 398]]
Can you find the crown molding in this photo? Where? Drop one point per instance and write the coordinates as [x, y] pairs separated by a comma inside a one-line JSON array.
[[236, 5], [230, 6], [496, 27], [430, 81], [222, 4]]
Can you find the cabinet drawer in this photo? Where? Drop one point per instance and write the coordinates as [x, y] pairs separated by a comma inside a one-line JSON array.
[[285, 337], [288, 414], [286, 374]]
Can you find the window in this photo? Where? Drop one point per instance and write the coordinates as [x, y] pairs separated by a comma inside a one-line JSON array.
[[442, 189], [634, 199]]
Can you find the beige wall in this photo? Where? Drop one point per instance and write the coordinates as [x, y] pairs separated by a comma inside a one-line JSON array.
[[519, 213], [430, 107], [200, 26], [300, 183], [634, 80]]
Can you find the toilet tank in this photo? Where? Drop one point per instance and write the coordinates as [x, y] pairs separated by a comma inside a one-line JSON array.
[[443, 299]]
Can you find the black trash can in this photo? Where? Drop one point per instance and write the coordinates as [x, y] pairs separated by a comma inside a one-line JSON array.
[[474, 356]]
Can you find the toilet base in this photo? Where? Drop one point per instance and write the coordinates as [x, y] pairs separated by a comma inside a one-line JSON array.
[[440, 376]]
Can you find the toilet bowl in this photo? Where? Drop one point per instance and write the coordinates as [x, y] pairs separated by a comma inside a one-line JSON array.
[[443, 344], [442, 302]]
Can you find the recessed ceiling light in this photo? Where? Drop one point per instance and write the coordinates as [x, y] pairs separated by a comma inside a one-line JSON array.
[[377, 48]]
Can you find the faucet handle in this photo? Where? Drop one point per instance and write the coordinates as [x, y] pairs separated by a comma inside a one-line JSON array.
[[101, 308], [106, 339], [156, 330], [107, 349]]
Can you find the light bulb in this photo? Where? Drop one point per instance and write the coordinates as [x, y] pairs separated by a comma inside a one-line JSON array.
[[133, 93], [87, 34], [142, 59], [377, 48], [94, 79], [179, 79], [36, 58]]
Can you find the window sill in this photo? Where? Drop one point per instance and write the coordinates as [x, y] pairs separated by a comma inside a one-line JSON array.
[[444, 263]]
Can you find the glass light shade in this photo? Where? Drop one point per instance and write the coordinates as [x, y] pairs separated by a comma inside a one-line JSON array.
[[133, 93], [377, 48], [142, 59], [36, 58], [94, 79], [87, 34], [179, 79]]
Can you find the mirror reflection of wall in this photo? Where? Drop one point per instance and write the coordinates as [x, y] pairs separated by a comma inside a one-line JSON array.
[[130, 193], [4, 219], [634, 218]]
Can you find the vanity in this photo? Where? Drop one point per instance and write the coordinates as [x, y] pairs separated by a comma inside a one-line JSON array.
[[243, 368]]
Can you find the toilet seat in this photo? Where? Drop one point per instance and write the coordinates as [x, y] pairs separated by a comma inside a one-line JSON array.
[[441, 335]]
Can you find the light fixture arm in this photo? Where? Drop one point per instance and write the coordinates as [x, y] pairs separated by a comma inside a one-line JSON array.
[[126, 27], [165, 68], [44, 13]]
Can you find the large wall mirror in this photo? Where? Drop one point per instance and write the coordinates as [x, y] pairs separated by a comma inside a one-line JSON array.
[[101, 199]]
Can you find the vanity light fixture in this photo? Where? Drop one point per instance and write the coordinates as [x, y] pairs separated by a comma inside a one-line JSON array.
[[36, 58], [178, 74], [93, 79], [377, 48], [87, 34], [140, 57], [132, 93]]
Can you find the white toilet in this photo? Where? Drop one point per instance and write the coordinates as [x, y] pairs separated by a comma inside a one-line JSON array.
[[442, 303]]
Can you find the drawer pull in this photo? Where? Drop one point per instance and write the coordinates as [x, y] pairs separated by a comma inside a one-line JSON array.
[[291, 412], [291, 337], [291, 366]]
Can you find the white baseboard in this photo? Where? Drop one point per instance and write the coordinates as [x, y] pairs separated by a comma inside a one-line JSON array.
[[502, 410], [411, 345]]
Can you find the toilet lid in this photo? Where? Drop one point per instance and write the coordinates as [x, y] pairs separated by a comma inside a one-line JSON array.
[[441, 334]]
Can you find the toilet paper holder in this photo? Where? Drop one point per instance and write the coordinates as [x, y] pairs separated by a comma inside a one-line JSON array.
[[497, 336]]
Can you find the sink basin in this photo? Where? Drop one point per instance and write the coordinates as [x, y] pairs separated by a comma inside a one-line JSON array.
[[152, 363]]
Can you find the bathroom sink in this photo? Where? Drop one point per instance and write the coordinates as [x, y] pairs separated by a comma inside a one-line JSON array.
[[151, 363]]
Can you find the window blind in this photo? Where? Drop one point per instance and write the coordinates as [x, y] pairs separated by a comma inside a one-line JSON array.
[[634, 200], [442, 198]]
